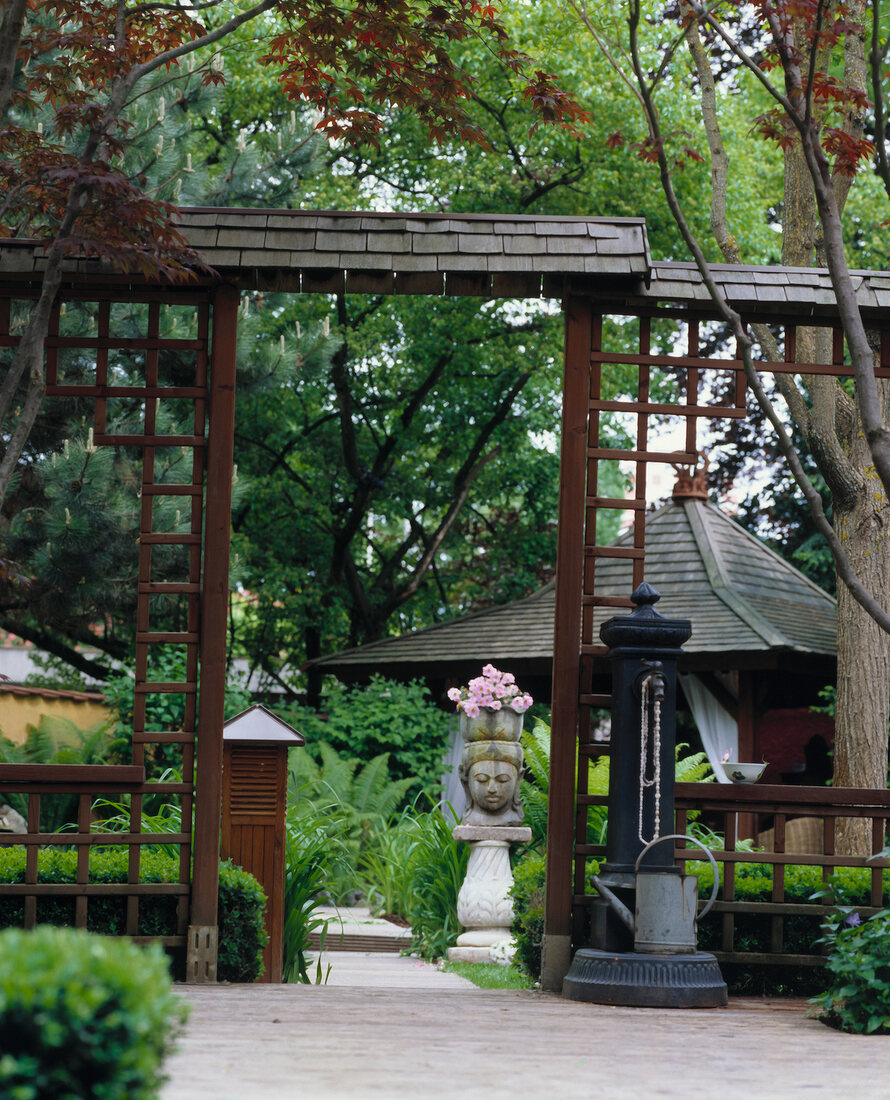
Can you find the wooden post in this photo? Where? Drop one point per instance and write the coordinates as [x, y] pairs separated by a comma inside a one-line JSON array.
[[748, 750], [201, 958], [255, 749], [567, 645]]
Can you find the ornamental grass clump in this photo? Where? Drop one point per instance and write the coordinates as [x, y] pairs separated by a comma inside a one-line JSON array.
[[83, 1016], [858, 999], [490, 691]]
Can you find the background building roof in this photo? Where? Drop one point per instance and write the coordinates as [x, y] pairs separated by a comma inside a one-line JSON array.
[[742, 598]]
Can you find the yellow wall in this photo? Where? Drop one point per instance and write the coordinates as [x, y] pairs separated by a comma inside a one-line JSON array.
[[17, 712]]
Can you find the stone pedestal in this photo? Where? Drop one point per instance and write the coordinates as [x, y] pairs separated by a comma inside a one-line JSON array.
[[484, 905]]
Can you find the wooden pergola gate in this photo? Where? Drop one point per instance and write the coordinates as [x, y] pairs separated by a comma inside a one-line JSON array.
[[136, 369], [580, 611], [601, 270]]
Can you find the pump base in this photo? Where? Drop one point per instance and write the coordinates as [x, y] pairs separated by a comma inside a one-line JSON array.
[[645, 981]]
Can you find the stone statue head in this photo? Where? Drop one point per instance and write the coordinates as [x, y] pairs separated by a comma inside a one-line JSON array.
[[490, 773]]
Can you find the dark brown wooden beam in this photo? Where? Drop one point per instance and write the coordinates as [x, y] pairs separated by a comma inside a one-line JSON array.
[[566, 644], [214, 607]]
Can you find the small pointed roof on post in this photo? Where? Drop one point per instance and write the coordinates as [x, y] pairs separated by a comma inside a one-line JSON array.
[[259, 726]]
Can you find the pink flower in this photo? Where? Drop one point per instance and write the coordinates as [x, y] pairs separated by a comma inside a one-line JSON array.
[[491, 691]]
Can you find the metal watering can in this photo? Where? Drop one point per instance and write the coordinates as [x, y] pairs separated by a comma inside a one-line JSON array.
[[664, 922]]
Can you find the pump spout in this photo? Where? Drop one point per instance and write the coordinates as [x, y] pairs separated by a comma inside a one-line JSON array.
[[620, 909], [652, 675]]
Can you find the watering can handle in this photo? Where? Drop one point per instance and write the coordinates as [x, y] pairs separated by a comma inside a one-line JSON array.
[[704, 848]]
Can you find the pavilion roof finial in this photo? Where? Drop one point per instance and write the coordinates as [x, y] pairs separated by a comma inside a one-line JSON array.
[[692, 481]]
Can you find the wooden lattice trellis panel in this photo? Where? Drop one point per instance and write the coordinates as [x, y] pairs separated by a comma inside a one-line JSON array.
[[136, 371], [580, 610]]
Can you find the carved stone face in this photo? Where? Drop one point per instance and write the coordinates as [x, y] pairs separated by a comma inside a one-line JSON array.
[[493, 784]]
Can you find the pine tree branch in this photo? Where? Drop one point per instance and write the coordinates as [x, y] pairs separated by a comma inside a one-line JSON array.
[[51, 644]]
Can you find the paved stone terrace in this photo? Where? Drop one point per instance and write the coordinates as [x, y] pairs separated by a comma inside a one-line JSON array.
[[403, 1030]]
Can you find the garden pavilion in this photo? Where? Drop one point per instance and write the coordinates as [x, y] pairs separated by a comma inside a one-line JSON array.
[[763, 644]]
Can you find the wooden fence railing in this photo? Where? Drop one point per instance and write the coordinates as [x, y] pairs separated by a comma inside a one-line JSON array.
[[87, 783], [785, 818]]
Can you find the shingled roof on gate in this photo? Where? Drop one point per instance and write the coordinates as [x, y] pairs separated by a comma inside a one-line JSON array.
[[741, 597], [416, 253], [486, 255], [748, 287]]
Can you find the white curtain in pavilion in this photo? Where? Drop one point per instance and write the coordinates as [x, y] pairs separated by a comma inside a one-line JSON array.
[[719, 730], [452, 789]]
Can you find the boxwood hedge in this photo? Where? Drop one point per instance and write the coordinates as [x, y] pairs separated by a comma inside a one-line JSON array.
[[242, 934], [83, 1017], [851, 886]]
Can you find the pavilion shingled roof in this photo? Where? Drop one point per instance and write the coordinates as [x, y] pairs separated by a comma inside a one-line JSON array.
[[740, 596]]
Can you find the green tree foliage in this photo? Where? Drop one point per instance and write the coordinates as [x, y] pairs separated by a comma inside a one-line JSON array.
[[396, 456], [384, 716]]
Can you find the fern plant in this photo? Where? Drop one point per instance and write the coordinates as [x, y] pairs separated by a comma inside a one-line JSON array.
[[359, 798], [365, 791], [57, 740], [689, 768]]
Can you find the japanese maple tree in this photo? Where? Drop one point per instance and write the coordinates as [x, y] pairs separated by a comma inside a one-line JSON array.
[[89, 61]]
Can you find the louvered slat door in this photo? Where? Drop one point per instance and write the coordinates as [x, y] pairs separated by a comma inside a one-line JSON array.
[[254, 785]]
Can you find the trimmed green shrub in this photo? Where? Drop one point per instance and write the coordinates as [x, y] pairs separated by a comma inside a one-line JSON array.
[[83, 1016], [802, 935], [528, 912], [242, 931], [241, 901], [754, 881], [529, 877], [858, 998]]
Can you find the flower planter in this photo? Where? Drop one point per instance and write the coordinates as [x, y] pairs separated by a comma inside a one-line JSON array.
[[492, 725], [743, 773]]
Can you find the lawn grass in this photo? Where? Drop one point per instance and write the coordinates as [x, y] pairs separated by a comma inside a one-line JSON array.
[[490, 975]]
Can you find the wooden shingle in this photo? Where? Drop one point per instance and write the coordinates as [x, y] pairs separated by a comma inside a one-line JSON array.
[[741, 597]]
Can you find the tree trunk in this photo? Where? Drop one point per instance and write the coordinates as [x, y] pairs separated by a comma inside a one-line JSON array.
[[862, 522], [863, 658]]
